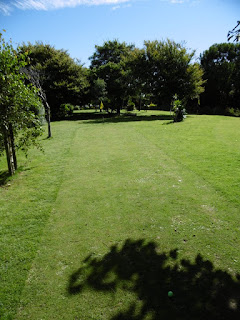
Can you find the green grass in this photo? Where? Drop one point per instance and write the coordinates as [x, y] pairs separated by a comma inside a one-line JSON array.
[[116, 213]]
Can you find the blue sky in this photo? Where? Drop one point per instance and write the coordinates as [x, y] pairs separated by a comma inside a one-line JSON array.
[[78, 25]]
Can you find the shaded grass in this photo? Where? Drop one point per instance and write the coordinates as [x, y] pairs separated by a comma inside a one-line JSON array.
[[4, 177], [117, 181], [100, 117], [200, 291]]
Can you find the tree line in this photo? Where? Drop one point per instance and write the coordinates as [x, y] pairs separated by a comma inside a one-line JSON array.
[[37, 80], [121, 75]]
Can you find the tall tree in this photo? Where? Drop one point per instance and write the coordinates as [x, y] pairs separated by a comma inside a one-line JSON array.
[[170, 71], [107, 63], [98, 92], [136, 68], [63, 79], [19, 105], [221, 71]]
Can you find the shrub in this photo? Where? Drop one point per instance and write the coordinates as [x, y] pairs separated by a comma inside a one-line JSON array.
[[233, 112], [152, 106], [130, 105], [179, 112], [65, 110]]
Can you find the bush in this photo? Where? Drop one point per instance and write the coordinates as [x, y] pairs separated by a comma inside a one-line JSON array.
[[233, 112], [130, 105], [152, 106], [65, 110], [179, 112]]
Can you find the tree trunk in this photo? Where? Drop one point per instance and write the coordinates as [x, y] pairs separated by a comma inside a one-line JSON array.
[[140, 102], [47, 108], [13, 147], [9, 151]]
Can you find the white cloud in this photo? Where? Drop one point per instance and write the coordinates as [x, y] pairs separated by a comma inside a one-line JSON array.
[[7, 7], [191, 2], [177, 1], [121, 7], [116, 8]]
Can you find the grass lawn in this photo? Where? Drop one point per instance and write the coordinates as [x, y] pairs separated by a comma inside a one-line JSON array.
[[119, 212]]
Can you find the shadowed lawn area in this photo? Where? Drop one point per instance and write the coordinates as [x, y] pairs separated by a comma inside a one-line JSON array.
[[116, 214]]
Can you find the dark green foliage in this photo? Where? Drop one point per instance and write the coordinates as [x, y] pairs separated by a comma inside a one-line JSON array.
[[161, 69], [221, 64], [170, 70], [19, 105], [130, 105], [65, 110], [107, 63], [98, 91], [63, 79], [155, 72]]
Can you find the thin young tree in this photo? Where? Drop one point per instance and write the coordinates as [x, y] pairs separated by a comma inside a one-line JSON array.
[[19, 105], [34, 77]]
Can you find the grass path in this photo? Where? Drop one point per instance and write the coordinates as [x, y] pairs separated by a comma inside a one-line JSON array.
[[26, 202], [137, 180]]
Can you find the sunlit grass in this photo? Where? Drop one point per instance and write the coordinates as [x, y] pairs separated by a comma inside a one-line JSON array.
[[103, 181]]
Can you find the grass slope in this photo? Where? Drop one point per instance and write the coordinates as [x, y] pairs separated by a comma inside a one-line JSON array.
[[122, 211]]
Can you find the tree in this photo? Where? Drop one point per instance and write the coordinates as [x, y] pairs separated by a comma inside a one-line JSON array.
[[107, 63], [63, 79], [19, 105], [169, 70], [235, 33], [98, 92], [221, 71], [34, 77], [135, 65]]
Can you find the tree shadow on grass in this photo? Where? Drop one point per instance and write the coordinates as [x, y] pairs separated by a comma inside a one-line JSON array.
[[97, 117], [4, 177], [199, 290]]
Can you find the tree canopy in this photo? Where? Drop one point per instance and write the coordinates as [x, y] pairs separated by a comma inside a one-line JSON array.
[[63, 79], [107, 63], [19, 105], [221, 64], [158, 71], [169, 70]]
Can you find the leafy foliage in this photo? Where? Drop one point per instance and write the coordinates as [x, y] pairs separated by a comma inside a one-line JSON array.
[[107, 63], [19, 105], [65, 109], [63, 79], [171, 71], [221, 64], [130, 105], [159, 70], [179, 112], [98, 91]]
